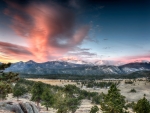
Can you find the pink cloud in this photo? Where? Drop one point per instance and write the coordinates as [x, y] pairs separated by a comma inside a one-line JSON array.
[[14, 49], [138, 58], [13, 52], [50, 29]]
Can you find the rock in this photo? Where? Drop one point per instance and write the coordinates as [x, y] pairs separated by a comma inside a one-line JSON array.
[[28, 108], [35, 109], [23, 107], [26, 96], [16, 107]]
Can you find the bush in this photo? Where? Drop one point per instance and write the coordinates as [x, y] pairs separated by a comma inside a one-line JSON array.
[[133, 91], [128, 82], [94, 109], [131, 105]]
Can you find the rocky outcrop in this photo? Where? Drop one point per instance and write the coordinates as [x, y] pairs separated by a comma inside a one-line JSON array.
[[20, 107], [28, 108]]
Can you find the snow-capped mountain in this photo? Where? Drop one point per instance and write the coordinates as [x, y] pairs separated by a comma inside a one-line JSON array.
[[75, 61], [62, 67], [108, 62], [94, 63]]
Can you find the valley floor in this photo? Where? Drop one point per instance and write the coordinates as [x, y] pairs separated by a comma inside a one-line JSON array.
[[141, 87]]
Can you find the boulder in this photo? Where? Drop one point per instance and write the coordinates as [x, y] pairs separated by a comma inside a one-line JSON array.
[[28, 108], [13, 107], [19, 107], [35, 109]]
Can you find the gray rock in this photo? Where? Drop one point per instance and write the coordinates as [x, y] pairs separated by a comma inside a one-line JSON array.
[[28, 108], [19, 107], [35, 109], [24, 109], [14, 107]]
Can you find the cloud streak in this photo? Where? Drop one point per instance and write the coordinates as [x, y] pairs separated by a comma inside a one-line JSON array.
[[138, 58], [49, 28], [12, 52], [9, 48]]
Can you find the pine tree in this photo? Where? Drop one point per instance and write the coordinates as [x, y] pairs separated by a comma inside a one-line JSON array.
[[6, 80], [47, 98], [113, 102], [94, 109], [72, 104], [61, 102], [19, 90], [142, 106], [37, 91]]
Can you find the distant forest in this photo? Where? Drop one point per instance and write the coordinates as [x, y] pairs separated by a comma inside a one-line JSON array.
[[134, 75]]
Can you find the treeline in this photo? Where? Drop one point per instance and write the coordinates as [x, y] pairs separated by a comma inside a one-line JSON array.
[[95, 83], [134, 75]]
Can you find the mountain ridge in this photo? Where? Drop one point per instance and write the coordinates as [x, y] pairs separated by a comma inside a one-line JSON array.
[[62, 67]]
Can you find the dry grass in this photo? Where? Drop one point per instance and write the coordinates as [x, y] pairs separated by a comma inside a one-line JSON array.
[[54, 82], [141, 87]]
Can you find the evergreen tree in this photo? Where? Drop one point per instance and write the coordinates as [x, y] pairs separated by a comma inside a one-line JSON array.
[[61, 102], [6, 80], [70, 89], [37, 91], [47, 98], [142, 106], [72, 104], [19, 90], [113, 102], [94, 109]]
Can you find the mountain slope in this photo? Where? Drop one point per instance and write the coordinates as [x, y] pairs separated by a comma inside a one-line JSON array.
[[62, 67]]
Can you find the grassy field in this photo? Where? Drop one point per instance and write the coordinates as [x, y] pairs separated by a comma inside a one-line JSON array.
[[141, 87]]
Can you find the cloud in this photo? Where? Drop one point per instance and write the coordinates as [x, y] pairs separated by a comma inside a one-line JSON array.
[[81, 53], [74, 3], [9, 48], [81, 49], [49, 28], [12, 52], [137, 58]]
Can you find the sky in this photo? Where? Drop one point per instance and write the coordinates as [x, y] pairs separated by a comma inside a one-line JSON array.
[[89, 30]]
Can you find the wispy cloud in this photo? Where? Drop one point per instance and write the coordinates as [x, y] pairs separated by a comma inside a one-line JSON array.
[[137, 58], [13, 49], [81, 53], [12, 52], [49, 28], [85, 53]]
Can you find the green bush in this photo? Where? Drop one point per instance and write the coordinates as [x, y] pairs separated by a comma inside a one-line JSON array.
[[133, 90], [94, 109]]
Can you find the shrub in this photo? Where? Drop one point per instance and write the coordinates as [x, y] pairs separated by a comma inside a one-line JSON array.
[[133, 90]]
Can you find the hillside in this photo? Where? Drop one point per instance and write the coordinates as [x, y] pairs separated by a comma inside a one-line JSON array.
[[62, 67]]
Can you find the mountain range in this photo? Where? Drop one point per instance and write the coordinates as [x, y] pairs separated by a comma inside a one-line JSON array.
[[63, 67]]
